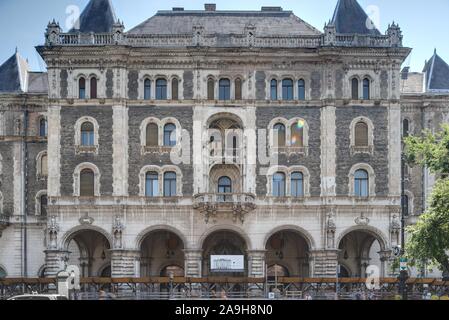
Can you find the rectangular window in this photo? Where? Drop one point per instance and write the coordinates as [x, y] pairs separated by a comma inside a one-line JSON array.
[[152, 185], [87, 138]]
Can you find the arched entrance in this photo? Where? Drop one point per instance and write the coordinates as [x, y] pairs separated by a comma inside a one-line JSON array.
[[288, 251], [358, 250], [224, 243], [161, 253], [89, 250]]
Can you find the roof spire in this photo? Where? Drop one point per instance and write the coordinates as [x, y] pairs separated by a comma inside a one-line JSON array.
[[350, 18], [98, 17]]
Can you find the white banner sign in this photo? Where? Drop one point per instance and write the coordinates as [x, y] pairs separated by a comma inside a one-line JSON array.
[[227, 263]]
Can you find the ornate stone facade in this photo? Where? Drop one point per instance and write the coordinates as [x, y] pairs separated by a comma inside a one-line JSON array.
[[173, 114]]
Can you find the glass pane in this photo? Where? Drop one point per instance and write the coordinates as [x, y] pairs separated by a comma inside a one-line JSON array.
[[301, 90], [287, 89], [274, 90], [279, 185], [238, 89], [225, 89], [174, 87], [405, 128], [152, 184], [279, 132], [170, 184], [93, 88], [161, 89], [298, 134], [366, 89], [147, 90], [87, 182], [210, 89], [297, 184], [170, 135], [43, 128], [355, 89], [82, 88]]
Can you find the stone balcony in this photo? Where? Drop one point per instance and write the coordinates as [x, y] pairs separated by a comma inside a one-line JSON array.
[[237, 204]]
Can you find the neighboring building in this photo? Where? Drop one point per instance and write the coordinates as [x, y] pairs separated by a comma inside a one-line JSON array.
[[202, 133]]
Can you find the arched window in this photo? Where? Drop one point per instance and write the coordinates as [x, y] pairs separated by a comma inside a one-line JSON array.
[[169, 135], [405, 128], [361, 183], [279, 133], [87, 134], [287, 89], [297, 184], [147, 89], [297, 134], [43, 127], [43, 204], [170, 184], [87, 183], [355, 89], [301, 89], [175, 89], [279, 184], [406, 205], [361, 134], [238, 89], [82, 88], [224, 185], [366, 89], [93, 88], [161, 89], [152, 135], [224, 89], [210, 89], [152, 184], [274, 89], [44, 166]]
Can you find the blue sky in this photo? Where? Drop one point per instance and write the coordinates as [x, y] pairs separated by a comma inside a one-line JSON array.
[[424, 23]]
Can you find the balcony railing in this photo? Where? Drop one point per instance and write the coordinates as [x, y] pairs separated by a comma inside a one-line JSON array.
[[239, 204], [4, 220]]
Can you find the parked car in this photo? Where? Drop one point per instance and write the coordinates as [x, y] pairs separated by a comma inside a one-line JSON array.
[[36, 296]]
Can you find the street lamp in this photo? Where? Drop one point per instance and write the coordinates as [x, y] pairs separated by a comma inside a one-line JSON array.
[[403, 275]]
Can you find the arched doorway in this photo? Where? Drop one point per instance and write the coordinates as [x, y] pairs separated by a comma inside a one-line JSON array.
[[161, 252], [3, 273], [358, 250], [224, 243], [90, 251], [289, 251], [276, 271]]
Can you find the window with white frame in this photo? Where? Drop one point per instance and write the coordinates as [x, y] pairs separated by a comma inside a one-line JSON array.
[[297, 184], [362, 135], [274, 89], [287, 89], [152, 184], [362, 181], [224, 92], [301, 89], [279, 184], [86, 135], [82, 88], [170, 184], [147, 89], [41, 203], [42, 165], [43, 127], [161, 89], [86, 180]]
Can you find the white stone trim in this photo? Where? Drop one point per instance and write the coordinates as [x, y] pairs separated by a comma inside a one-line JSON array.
[[161, 125], [288, 172], [371, 181], [1, 203], [39, 174], [88, 75], [174, 121], [54, 151], [368, 149], [161, 171], [296, 76], [76, 178], [37, 201], [86, 149], [143, 131]]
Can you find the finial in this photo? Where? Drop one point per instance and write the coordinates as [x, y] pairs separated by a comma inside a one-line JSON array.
[[435, 51], [17, 50]]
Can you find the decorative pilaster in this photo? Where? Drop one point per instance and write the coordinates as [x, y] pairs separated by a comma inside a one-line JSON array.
[[193, 260], [385, 258], [328, 153], [120, 150], [54, 146], [125, 263]]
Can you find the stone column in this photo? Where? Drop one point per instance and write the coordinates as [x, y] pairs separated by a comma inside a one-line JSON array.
[[125, 263], [394, 150], [54, 146], [385, 257], [55, 261], [323, 263], [193, 261]]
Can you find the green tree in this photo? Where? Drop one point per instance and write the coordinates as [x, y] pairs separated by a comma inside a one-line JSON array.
[[428, 239]]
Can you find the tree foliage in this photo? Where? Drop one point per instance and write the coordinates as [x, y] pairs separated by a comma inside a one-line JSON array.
[[428, 239]]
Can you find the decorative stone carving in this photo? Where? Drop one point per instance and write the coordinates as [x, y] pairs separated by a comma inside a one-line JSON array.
[[86, 220], [331, 228], [330, 34], [52, 33], [362, 220], [395, 35], [53, 230], [198, 35], [395, 229], [117, 231]]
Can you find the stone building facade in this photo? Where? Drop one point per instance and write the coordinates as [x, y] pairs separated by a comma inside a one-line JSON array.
[[208, 132]]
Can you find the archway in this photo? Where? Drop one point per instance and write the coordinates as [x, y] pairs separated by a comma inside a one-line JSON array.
[[90, 251], [289, 251], [3, 273], [161, 251], [359, 249], [224, 243]]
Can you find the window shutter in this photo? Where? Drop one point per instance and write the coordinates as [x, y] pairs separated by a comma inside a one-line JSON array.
[[210, 89], [44, 166], [152, 135], [87, 182], [238, 89], [93, 88], [361, 134]]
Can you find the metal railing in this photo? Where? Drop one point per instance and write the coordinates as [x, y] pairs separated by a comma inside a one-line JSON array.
[[4, 219]]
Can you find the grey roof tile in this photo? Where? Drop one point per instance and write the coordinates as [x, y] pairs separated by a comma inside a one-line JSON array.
[[350, 18], [37, 82], [437, 74], [97, 17], [13, 75], [267, 23]]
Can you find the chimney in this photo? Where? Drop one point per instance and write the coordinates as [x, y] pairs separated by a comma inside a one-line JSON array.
[[178, 9], [210, 7], [271, 9]]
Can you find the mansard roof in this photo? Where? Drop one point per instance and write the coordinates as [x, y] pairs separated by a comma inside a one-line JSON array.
[[97, 17], [266, 23], [350, 18], [437, 74], [13, 75]]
